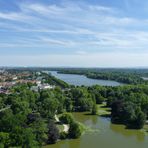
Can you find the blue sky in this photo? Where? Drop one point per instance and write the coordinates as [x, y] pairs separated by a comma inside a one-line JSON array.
[[78, 33]]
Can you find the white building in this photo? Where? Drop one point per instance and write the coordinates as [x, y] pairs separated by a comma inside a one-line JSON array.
[[42, 87], [46, 86], [35, 88], [14, 78]]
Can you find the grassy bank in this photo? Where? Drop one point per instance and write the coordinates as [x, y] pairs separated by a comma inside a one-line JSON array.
[[103, 110]]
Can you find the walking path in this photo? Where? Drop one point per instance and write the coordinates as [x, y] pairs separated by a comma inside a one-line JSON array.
[[66, 126]]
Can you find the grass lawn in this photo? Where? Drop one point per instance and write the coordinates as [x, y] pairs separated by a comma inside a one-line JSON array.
[[146, 127], [103, 110]]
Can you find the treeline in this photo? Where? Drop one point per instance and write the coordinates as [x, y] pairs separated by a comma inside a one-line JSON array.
[[142, 72], [48, 78], [117, 76]]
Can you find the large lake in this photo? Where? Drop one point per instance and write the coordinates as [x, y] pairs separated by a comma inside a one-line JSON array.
[[79, 80]]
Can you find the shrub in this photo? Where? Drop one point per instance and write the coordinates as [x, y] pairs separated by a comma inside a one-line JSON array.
[[66, 118], [75, 130], [63, 135]]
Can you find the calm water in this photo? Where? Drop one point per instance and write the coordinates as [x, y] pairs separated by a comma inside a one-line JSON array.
[[83, 80], [103, 134], [145, 78]]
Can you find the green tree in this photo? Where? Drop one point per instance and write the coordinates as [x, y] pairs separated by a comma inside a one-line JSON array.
[[75, 130], [53, 133], [4, 139], [94, 109], [66, 118]]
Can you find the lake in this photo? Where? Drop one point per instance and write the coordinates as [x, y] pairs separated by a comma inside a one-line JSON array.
[[101, 132], [79, 80], [145, 78]]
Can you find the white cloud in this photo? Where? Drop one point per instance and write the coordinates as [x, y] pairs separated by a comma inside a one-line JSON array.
[[87, 60], [57, 42], [85, 28]]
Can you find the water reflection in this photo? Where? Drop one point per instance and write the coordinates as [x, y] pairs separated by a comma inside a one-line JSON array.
[[101, 133], [79, 80], [121, 129]]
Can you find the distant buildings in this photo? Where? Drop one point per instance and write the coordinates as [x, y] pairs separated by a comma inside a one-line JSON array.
[[45, 86], [8, 80], [42, 87], [2, 70]]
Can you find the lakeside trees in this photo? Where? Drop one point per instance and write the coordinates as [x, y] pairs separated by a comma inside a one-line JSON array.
[[75, 130], [128, 113], [129, 105]]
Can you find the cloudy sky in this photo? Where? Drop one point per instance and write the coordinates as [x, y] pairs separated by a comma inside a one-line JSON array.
[[75, 33]]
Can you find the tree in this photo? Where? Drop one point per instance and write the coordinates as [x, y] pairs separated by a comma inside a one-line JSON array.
[[4, 139], [40, 130], [53, 133], [29, 139], [117, 111], [48, 107], [68, 105], [23, 137], [138, 121], [94, 109], [75, 130], [66, 118], [99, 98]]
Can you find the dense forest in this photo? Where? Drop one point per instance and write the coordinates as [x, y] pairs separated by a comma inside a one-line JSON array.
[[27, 118]]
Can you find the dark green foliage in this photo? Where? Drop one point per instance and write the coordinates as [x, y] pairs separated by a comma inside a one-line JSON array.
[[128, 113], [4, 139], [99, 99], [63, 135], [140, 119], [75, 130], [68, 104], [94, 109], [83, 100], [53, 133], [66, 118]]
